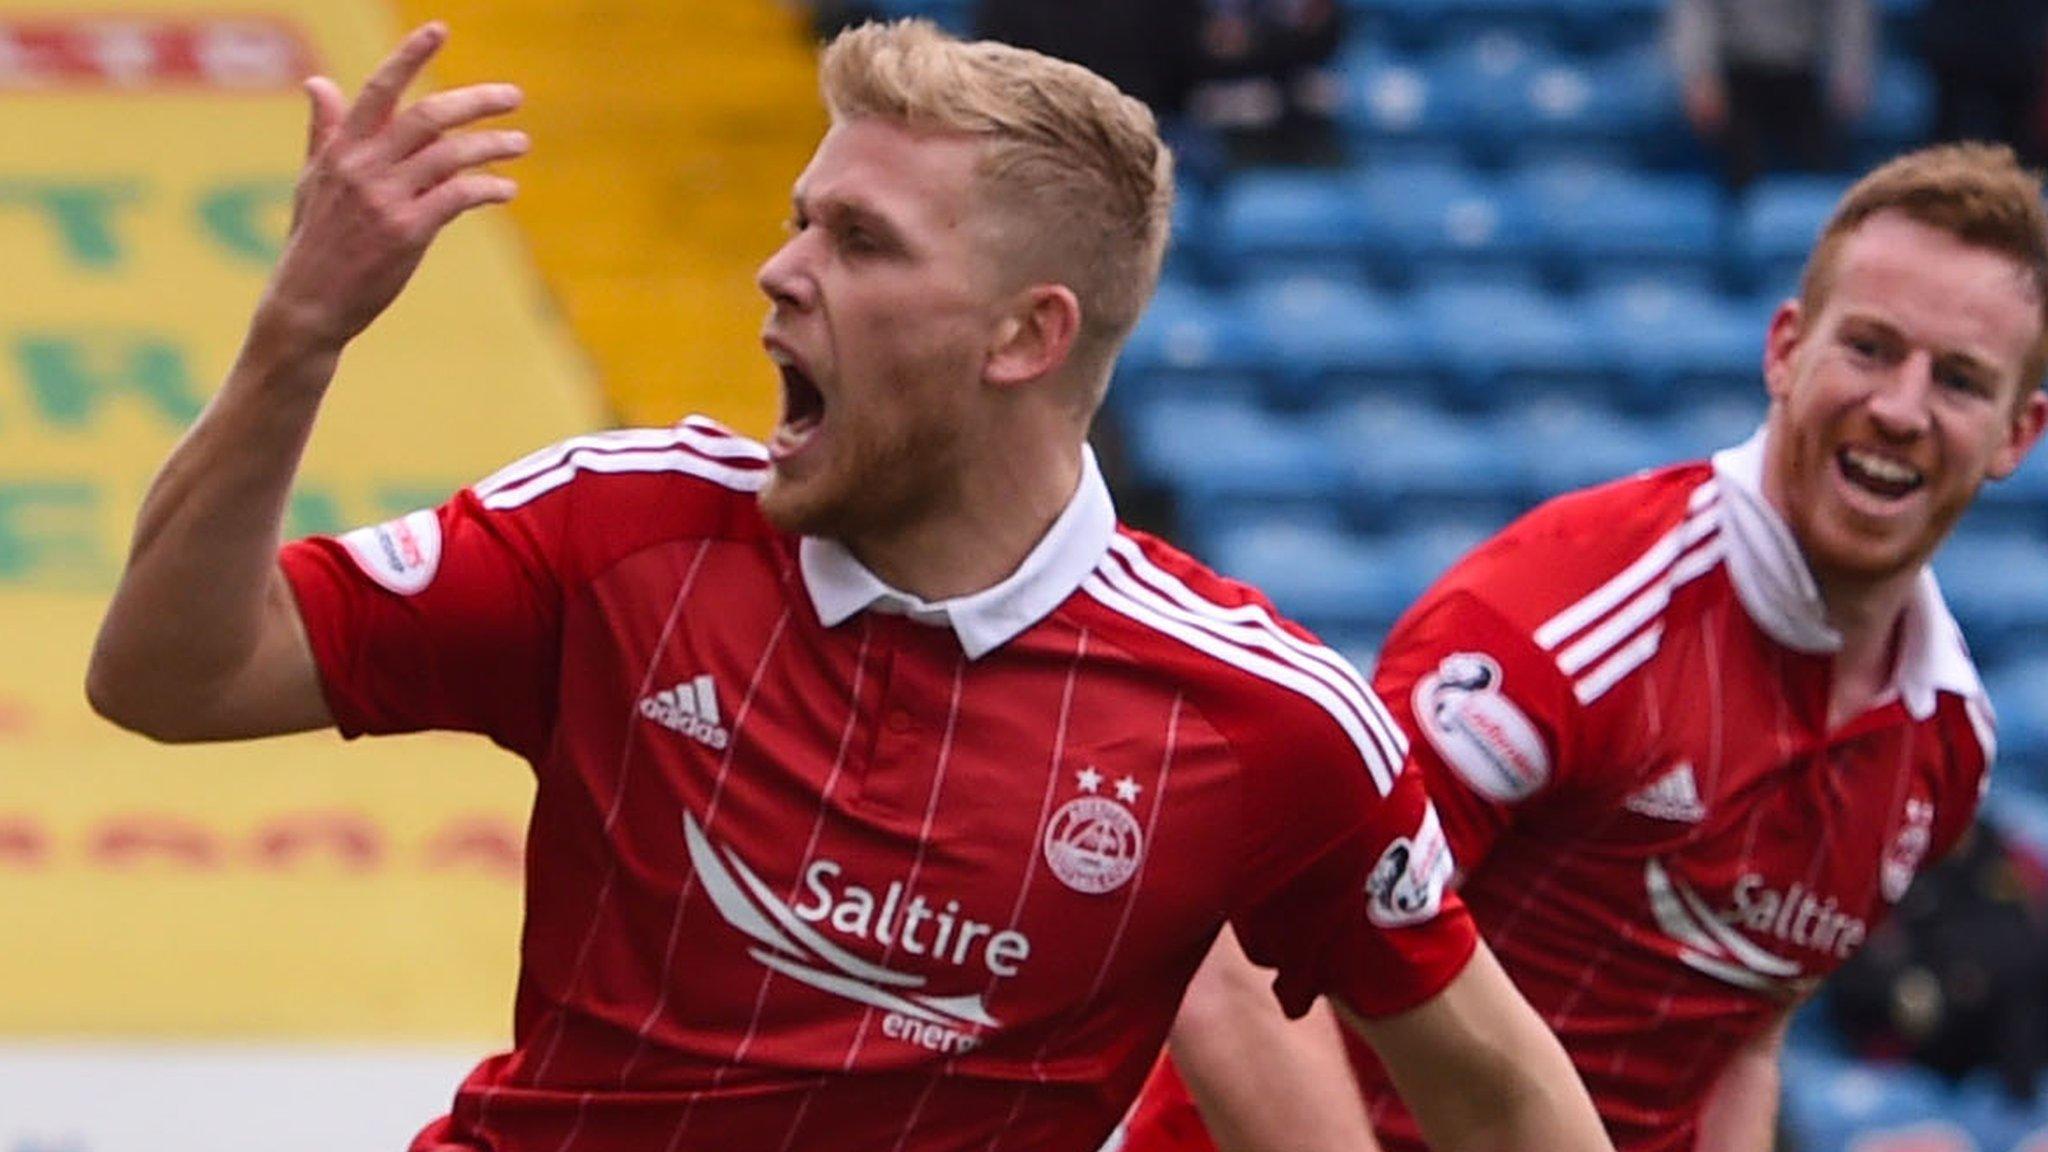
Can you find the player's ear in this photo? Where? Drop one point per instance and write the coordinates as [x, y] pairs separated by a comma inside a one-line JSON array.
[[1781, 345], [1037, 335], [2029, 417]]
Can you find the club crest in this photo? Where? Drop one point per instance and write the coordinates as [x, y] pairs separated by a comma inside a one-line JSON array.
[[1093, 843]]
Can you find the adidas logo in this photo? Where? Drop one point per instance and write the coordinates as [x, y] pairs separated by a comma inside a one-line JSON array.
[[1673, 796], [690, 708]]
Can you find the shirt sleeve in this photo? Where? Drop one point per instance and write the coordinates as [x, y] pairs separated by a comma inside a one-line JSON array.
[[1971, 739], [446, 618], [1489, 714], [1348, 870]]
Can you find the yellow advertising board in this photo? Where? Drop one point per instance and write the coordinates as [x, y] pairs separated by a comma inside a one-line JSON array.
[[290, 888]]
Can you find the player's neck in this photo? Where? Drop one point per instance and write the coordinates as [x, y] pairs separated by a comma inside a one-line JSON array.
[[1868, 618], [1002, 510]]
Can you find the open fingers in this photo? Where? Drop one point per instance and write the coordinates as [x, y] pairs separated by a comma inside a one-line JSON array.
[[458, 194], [328, 108], [431, 115], [460, 152], [382, 90]]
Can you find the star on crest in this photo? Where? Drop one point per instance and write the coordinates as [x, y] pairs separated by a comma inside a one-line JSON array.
[[1088, 778], [1127, 790]]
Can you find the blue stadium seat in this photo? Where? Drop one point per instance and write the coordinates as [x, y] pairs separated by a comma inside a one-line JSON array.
[[1275, 222], [1403, 100], [1494, 339], [1425, 221], [1901, 111], [1411, 462], [1188, 340], [1698, 428], [1607, 219], [2000, 1123], [1490, 74], [1192, 231], [1836, 1105], [1627, 97], [1613, 22], [1565, 443], [1223, 445], [1424, 551], [1997, 585], [1331, 581], [1330, 335], [1672, 341], [1690, 281], [1776, 224]]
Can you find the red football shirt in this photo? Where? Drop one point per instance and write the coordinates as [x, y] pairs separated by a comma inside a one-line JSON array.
[[1620, 704], [816, 864]]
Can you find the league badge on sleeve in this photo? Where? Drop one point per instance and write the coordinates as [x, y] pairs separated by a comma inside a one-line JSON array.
[[402, 554], [1407, 884], [1485, 737]]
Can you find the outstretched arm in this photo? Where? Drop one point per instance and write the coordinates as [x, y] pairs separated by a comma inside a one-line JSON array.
[[202, 640], [1481, 1072], [1262, 1082]]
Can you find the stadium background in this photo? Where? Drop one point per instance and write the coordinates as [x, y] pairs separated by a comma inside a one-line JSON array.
[[1353, 373]]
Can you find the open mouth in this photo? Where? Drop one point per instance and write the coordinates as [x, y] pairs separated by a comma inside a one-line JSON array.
[[1879, 475], [803, 406], [803, 409]]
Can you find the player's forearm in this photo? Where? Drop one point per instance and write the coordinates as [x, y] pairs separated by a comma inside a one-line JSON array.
[[201, 577], [1480, 1071], [1741, 1112], [1530, 1099], [1261, 1081]]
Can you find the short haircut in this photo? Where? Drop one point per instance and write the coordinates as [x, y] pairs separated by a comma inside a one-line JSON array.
[[1080, 163], [1977, 193]]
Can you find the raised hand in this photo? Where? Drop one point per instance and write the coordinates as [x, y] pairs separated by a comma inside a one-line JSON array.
[[379, 183]]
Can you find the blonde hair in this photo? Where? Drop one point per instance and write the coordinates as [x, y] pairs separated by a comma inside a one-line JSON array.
[[1080, 162], [1977, 193]]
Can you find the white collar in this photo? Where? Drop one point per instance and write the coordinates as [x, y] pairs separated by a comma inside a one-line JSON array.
[[1777, 589], [841, 586]]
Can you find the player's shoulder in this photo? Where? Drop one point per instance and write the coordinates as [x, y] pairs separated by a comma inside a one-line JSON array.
[[1268, 684], [592, 500], [696, 454], [1179, 610], [1578, 547], [681, 472]]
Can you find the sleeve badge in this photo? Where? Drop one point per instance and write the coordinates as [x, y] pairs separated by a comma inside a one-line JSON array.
[[401, 555], [1483, 735]]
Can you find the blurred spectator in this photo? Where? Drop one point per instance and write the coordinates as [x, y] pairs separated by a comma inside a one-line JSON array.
[[1248, 76], [1268, 85], [1148, 48], [1772, 83], [1954, 980], [1987, 58]]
